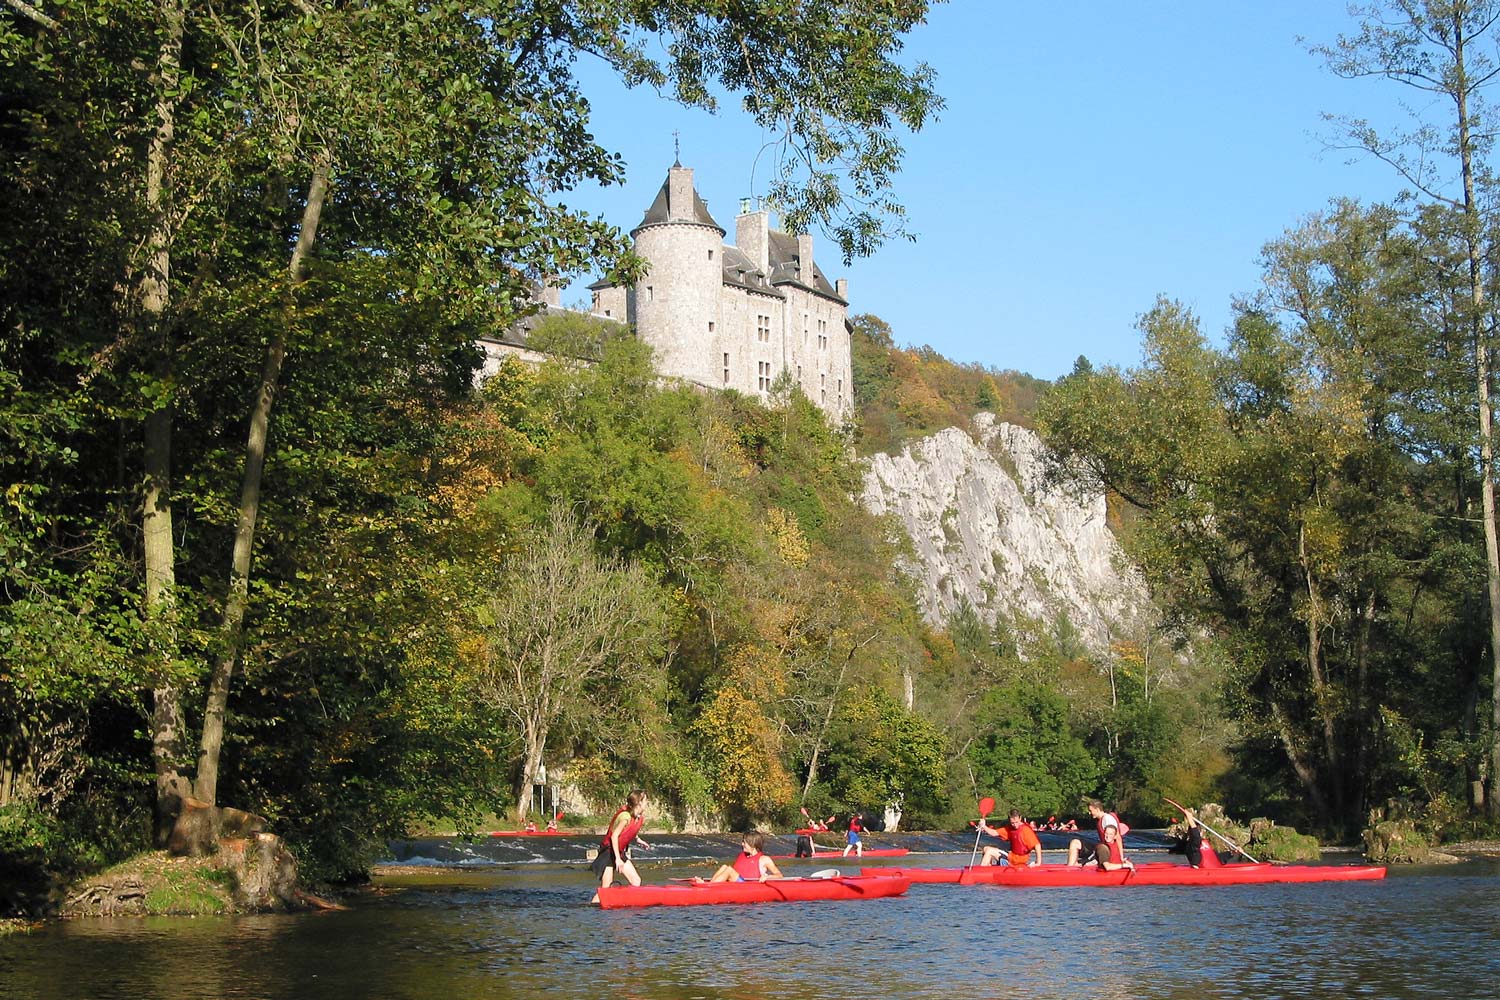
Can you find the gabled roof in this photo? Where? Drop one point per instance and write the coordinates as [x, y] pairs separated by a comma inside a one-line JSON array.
[[662, 211]]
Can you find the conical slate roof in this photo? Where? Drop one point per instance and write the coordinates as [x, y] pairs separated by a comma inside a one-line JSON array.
[[662, 211]]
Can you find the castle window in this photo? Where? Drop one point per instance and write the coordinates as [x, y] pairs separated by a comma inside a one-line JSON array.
[[763, 378], [710, 326], [726, 367], [710, 255], [650, 294], [763, 329]]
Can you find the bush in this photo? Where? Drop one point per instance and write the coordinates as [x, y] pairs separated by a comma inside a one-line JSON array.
[[1282, 843]]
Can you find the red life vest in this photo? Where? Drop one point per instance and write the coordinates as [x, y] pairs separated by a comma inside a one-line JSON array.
[[1117, 823], [1116, 852], [1022, 841], [1209, 856], [748, 865], [627, 834]]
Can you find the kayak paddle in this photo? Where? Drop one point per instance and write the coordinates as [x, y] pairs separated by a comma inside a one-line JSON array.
[[1227, 842], [986, 806]]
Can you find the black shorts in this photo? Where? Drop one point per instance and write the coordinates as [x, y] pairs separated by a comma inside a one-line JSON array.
[[606, 859]]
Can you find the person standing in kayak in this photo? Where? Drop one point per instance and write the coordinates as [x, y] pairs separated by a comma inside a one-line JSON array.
[[624, 829], [752, 865], [854, 844], [1025, 846]]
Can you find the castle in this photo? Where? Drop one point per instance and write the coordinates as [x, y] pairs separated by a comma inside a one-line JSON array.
[[729, 317]]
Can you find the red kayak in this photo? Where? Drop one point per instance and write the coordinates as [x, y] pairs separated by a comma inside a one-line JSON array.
[[1166, 873], [780, 890], [534, 833], [879, 852], [916, 875]]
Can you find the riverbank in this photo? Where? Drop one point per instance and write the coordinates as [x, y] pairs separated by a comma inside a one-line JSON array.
[[253, 875]]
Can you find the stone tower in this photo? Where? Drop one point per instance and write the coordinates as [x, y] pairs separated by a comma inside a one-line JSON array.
[[678, 299]]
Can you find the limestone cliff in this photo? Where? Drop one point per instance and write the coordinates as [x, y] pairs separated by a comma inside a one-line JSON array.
[[985, 528]]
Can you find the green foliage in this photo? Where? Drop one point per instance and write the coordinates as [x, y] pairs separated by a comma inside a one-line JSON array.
[[904, 393], [1026, 752], [1283, 843], [1293, 490], [881, 753]]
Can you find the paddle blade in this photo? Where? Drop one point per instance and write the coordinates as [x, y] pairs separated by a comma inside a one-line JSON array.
[[986, 806], [825, 873]]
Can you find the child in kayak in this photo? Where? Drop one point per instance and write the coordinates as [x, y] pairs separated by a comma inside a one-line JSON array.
[[752, 865], [1108, 855]]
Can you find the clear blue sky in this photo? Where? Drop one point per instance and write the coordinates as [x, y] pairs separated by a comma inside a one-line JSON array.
[[1083, 164]]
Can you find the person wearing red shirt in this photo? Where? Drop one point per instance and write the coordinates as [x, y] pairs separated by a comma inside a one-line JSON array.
[[854, 844], [1025, 846], [752, 865]]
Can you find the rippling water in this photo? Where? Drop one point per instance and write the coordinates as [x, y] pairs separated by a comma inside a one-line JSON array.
[[1431, 932]]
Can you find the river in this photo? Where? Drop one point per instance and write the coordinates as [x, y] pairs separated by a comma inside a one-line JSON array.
[[504, 933]]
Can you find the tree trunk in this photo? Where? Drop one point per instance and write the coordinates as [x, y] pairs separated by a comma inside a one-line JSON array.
[[1472, 237], [231, 629], [1321, 695], [1305, 771], [531, 760], [154, 291]]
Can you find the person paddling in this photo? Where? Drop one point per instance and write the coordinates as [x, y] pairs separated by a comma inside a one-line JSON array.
[[1025, 846], [1200, 850], [624, 829], [854, 844], [752, 865]]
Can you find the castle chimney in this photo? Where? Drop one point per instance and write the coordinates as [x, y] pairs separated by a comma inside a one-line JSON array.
[[680, 194], [752, 239], [805, 258], [842, 288]]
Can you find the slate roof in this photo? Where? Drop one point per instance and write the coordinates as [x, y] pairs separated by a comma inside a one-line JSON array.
[[661, 210], [740, 271], [784, 266]]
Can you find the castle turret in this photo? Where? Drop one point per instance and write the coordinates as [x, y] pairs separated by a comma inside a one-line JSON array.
[[677, 302]]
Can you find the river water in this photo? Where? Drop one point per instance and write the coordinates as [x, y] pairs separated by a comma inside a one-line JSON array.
[[526, 931]]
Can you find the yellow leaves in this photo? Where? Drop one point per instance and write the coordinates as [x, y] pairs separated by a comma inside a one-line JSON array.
[[742, 750], [742, 744], [786, 535]]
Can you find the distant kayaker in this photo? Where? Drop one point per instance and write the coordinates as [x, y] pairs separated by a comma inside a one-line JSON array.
[[530, 826], [854, 844], [1025, 847], [752, 865], [552, 825], [624, 829], [1200, 850]]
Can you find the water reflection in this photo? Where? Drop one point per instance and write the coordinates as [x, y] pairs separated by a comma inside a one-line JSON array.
[[508, 935]]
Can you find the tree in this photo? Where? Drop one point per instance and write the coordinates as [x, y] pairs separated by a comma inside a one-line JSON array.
[[1443, 48], [1025, 750], [570, 639], [220, 170]]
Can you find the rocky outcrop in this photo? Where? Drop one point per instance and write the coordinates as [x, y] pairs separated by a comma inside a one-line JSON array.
[[986, 529]]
